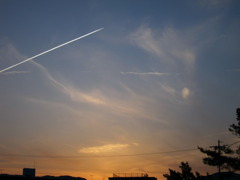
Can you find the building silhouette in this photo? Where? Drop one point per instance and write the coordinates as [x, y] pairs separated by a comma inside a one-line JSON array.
[[131, 176], [29, 172]]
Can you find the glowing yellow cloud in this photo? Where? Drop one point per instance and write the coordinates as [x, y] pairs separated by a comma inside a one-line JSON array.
[[103, 148], [185, 93]]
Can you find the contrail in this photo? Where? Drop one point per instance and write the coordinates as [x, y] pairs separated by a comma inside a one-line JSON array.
[[50, 50]]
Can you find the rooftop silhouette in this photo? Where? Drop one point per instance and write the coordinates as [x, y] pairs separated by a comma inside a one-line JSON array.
[[131, 176]]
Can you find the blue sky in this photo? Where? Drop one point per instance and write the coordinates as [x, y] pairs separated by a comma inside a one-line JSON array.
[[161, 76]]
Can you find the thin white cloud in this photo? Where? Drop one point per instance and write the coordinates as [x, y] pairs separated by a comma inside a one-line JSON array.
[[93, 98], [103, 148], [14, 72], [168, 89], [146, 73], [185, 93]]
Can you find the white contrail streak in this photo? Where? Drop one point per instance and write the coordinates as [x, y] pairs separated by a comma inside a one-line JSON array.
[[50, 50]]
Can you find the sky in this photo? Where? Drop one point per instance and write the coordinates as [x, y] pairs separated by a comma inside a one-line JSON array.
[[160, 78]]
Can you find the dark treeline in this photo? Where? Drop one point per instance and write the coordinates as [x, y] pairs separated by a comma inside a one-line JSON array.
[[222, 156]]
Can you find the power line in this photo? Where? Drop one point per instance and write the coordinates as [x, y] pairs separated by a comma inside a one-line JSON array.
[[100, 156], [233, 143], [103, 156]]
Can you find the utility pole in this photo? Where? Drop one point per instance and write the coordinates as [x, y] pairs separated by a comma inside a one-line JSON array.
[[218, 149], [219, 158]]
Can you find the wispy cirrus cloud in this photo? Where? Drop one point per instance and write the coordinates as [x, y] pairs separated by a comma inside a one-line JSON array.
[[15, 72], [101, 98], [146, 73], [167, 45], [74, 93], [168, 89], [9, 55]]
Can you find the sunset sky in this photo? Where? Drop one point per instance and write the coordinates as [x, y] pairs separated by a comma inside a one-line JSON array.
[[161, 77]]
